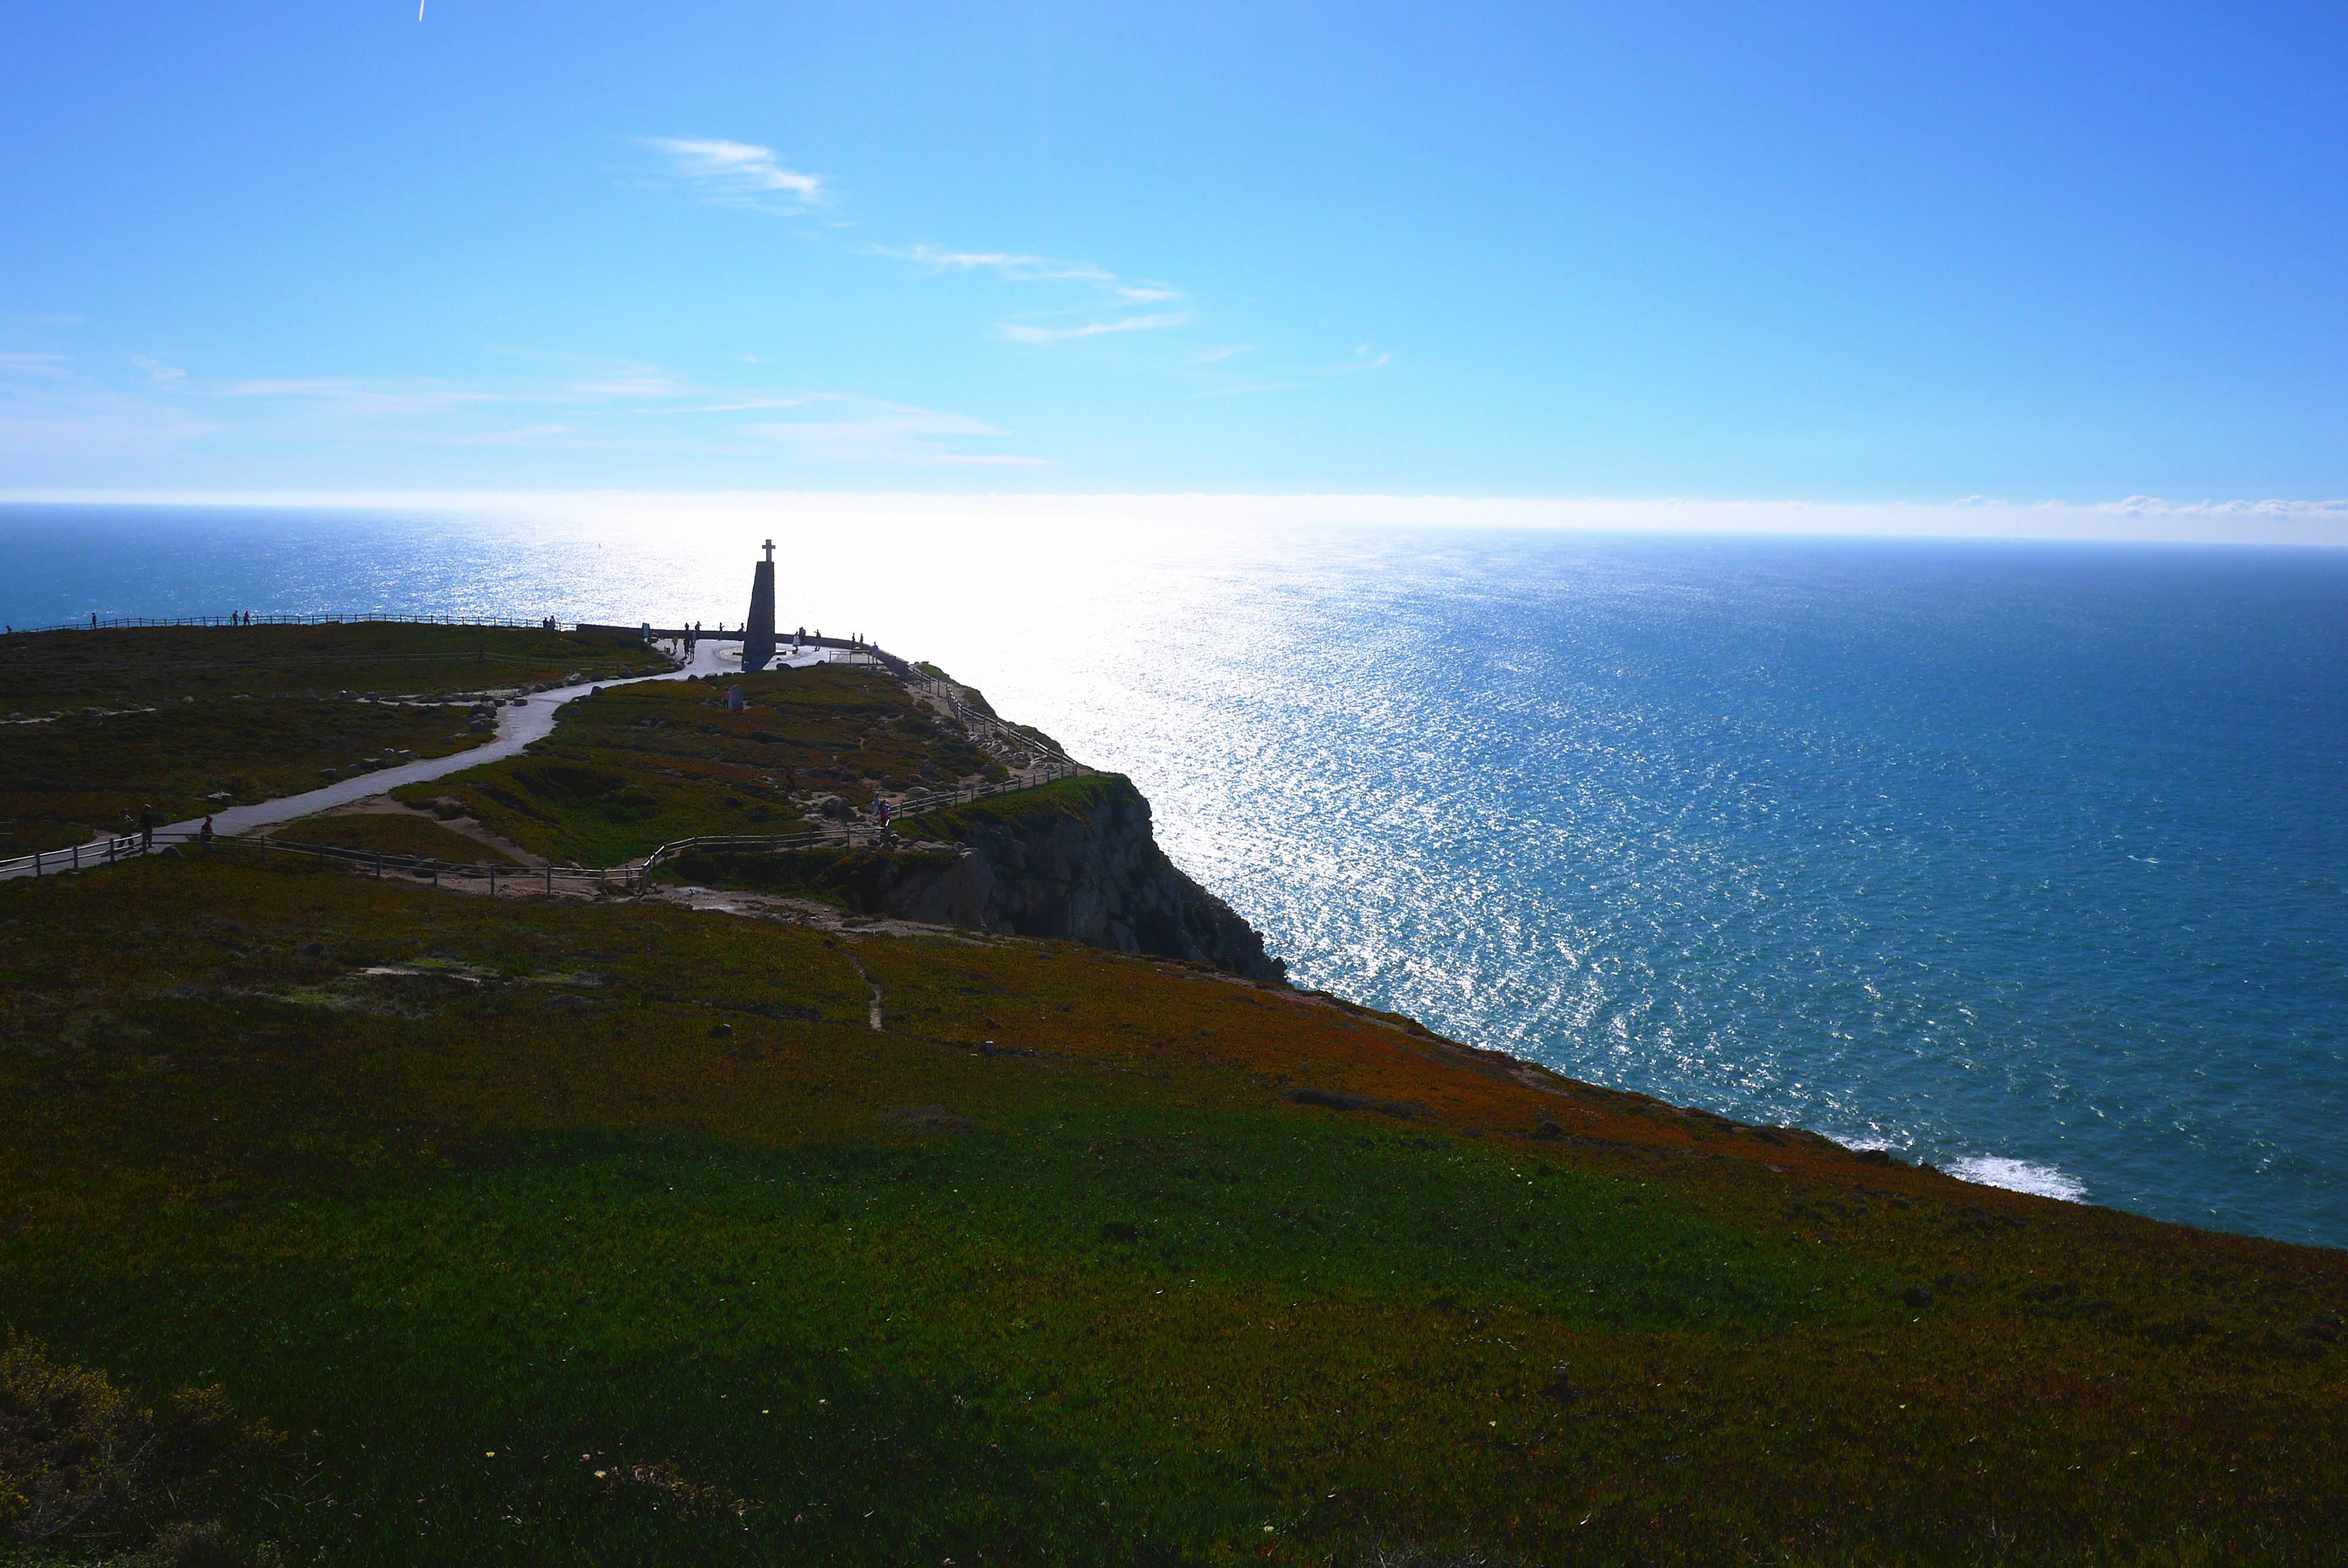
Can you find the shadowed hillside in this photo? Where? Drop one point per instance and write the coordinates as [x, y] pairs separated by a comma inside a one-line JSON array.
[[551, 1229], [356, 1221]]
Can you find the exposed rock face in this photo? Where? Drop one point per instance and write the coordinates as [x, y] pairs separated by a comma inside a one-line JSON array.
[[1075, 860]]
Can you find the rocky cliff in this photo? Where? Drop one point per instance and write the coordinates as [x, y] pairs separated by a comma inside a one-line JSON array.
[[1076, 860]]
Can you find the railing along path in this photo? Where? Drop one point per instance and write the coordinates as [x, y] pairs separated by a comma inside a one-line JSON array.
[[632, 877], [324, 618]]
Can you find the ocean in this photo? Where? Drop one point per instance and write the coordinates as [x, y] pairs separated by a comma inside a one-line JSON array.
[[2030, 861]]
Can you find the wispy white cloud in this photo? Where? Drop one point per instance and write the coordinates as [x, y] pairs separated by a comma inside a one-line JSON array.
[[53, 416], [524, 435], [1002, 263], [746, 403], [1217, 355], [893, 434], [1020, 332], [50, 417], [1020, 268], [159, 373], [1366, 358], [364, 397], [642, 382], [289, 387], [737, 173], [599, 378]]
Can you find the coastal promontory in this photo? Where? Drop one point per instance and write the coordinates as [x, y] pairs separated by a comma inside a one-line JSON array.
[[803, 1116]]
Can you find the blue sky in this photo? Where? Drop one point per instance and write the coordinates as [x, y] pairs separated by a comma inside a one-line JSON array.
[[1859, 254]]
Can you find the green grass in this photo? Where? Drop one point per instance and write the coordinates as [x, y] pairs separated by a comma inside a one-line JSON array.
[[1062, 800], [848, 878], [168, 718], [1056, 1266], [394, 834], [645, 1299], [64, 781], [44, 671], [640, 766]]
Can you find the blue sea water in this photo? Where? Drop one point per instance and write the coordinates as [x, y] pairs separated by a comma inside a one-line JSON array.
[[2028, 860]]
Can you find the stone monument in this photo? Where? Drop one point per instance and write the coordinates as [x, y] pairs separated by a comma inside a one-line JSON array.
[[758, 631]]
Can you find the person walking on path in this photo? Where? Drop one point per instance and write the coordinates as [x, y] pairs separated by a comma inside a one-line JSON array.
[[147, 831], [207, 833]]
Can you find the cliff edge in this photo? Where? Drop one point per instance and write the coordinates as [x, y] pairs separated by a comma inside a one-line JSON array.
[[1076, 860]]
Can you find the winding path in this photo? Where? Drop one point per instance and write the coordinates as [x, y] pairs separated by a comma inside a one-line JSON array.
[[516, 729]]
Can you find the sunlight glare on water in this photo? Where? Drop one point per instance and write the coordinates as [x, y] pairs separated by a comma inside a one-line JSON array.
[[2026, 860]]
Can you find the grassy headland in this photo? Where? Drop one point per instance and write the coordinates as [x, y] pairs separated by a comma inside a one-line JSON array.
[[101, 725], [424, 1228], [639, 766], [41, 671]]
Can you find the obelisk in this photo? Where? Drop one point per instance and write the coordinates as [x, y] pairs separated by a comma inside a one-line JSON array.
[[758, 631]]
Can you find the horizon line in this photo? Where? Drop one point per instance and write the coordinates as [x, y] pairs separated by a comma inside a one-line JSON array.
[[2133, 519]]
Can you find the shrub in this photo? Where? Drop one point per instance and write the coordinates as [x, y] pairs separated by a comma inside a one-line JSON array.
[[81, 1458]]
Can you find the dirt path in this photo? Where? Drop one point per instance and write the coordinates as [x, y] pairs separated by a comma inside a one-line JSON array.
[[858, 965], [463, 827]]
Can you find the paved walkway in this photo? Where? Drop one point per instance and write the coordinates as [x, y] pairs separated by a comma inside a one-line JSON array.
[[517, 728]]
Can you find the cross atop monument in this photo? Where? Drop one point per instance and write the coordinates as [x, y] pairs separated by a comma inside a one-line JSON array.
[[759, 629]]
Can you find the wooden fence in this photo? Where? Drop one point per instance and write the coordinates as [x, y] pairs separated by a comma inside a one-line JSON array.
[[634, 875], [116, 623]]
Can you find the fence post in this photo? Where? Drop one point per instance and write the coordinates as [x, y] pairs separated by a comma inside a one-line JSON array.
[[379, 865], [76, 858], [37, 853], [493, 881], [550, 878]]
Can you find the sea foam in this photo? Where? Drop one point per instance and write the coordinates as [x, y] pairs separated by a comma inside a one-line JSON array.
[[2018, 1177]]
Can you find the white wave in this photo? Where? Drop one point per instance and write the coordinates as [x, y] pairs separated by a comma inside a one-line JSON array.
[[2018, 1177]]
